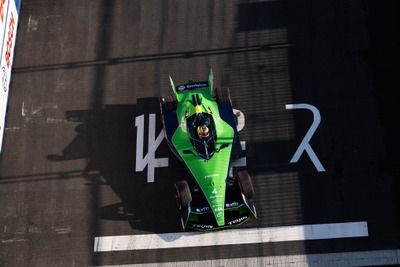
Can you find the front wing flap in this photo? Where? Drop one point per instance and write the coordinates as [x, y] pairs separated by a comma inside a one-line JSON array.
[[202, 218]]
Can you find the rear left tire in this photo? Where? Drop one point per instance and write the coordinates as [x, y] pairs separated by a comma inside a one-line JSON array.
[[182, 194]]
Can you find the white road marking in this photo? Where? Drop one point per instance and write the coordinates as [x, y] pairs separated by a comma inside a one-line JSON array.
[[33, 24], [23, 109], [305, 145], [149, 159], [231, 237], [357, 258]]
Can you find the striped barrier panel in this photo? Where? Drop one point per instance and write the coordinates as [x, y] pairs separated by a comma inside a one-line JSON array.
[[9, 13]]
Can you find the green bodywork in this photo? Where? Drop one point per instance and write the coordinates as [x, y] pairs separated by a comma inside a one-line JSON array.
[[210, 174]]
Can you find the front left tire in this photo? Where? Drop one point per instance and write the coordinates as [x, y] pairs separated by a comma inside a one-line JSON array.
[[169, 103]]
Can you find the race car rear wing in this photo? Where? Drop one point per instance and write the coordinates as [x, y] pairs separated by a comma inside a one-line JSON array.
[[192, 86]]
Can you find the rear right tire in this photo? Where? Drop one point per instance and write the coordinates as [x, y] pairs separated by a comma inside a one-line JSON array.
[[245, 183]]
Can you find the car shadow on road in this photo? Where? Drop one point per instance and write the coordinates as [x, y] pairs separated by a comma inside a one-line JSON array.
[[108, 140]]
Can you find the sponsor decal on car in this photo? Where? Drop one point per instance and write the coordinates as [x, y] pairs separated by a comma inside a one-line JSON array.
[[203, 226], [232, 204], [238, 220], [181, 88], [211, 175], [196, 85], [202, 209], [191, 86]]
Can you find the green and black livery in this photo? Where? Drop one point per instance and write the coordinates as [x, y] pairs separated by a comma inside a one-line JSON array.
[[217, 196]]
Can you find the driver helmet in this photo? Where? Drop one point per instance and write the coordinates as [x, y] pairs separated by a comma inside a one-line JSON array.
[[203, 131]]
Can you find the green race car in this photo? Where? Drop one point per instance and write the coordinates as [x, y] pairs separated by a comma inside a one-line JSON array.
[[200, 128]]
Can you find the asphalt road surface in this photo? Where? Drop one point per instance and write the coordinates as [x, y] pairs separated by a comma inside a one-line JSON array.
[[85, 83]]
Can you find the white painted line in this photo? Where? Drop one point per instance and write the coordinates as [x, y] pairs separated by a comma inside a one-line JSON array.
[[305, 144], [243, 145], [149, 159], [358, 258], [240, 162], [231, 237]]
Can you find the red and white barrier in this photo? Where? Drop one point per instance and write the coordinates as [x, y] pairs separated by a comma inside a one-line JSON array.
[[9, 13]]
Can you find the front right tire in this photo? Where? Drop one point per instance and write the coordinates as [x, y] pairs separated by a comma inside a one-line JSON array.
[[222, 94]]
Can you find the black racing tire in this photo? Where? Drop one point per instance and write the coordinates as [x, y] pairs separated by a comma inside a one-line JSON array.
[[245, 183], [182, 194], [169, 102], [222, 95]]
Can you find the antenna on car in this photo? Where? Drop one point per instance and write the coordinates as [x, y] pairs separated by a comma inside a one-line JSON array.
[[194, 100]]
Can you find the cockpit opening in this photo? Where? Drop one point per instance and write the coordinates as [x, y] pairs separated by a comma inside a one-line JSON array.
[[201, 129]]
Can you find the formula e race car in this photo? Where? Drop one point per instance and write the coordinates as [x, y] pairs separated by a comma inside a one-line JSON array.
[[201, 131]]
